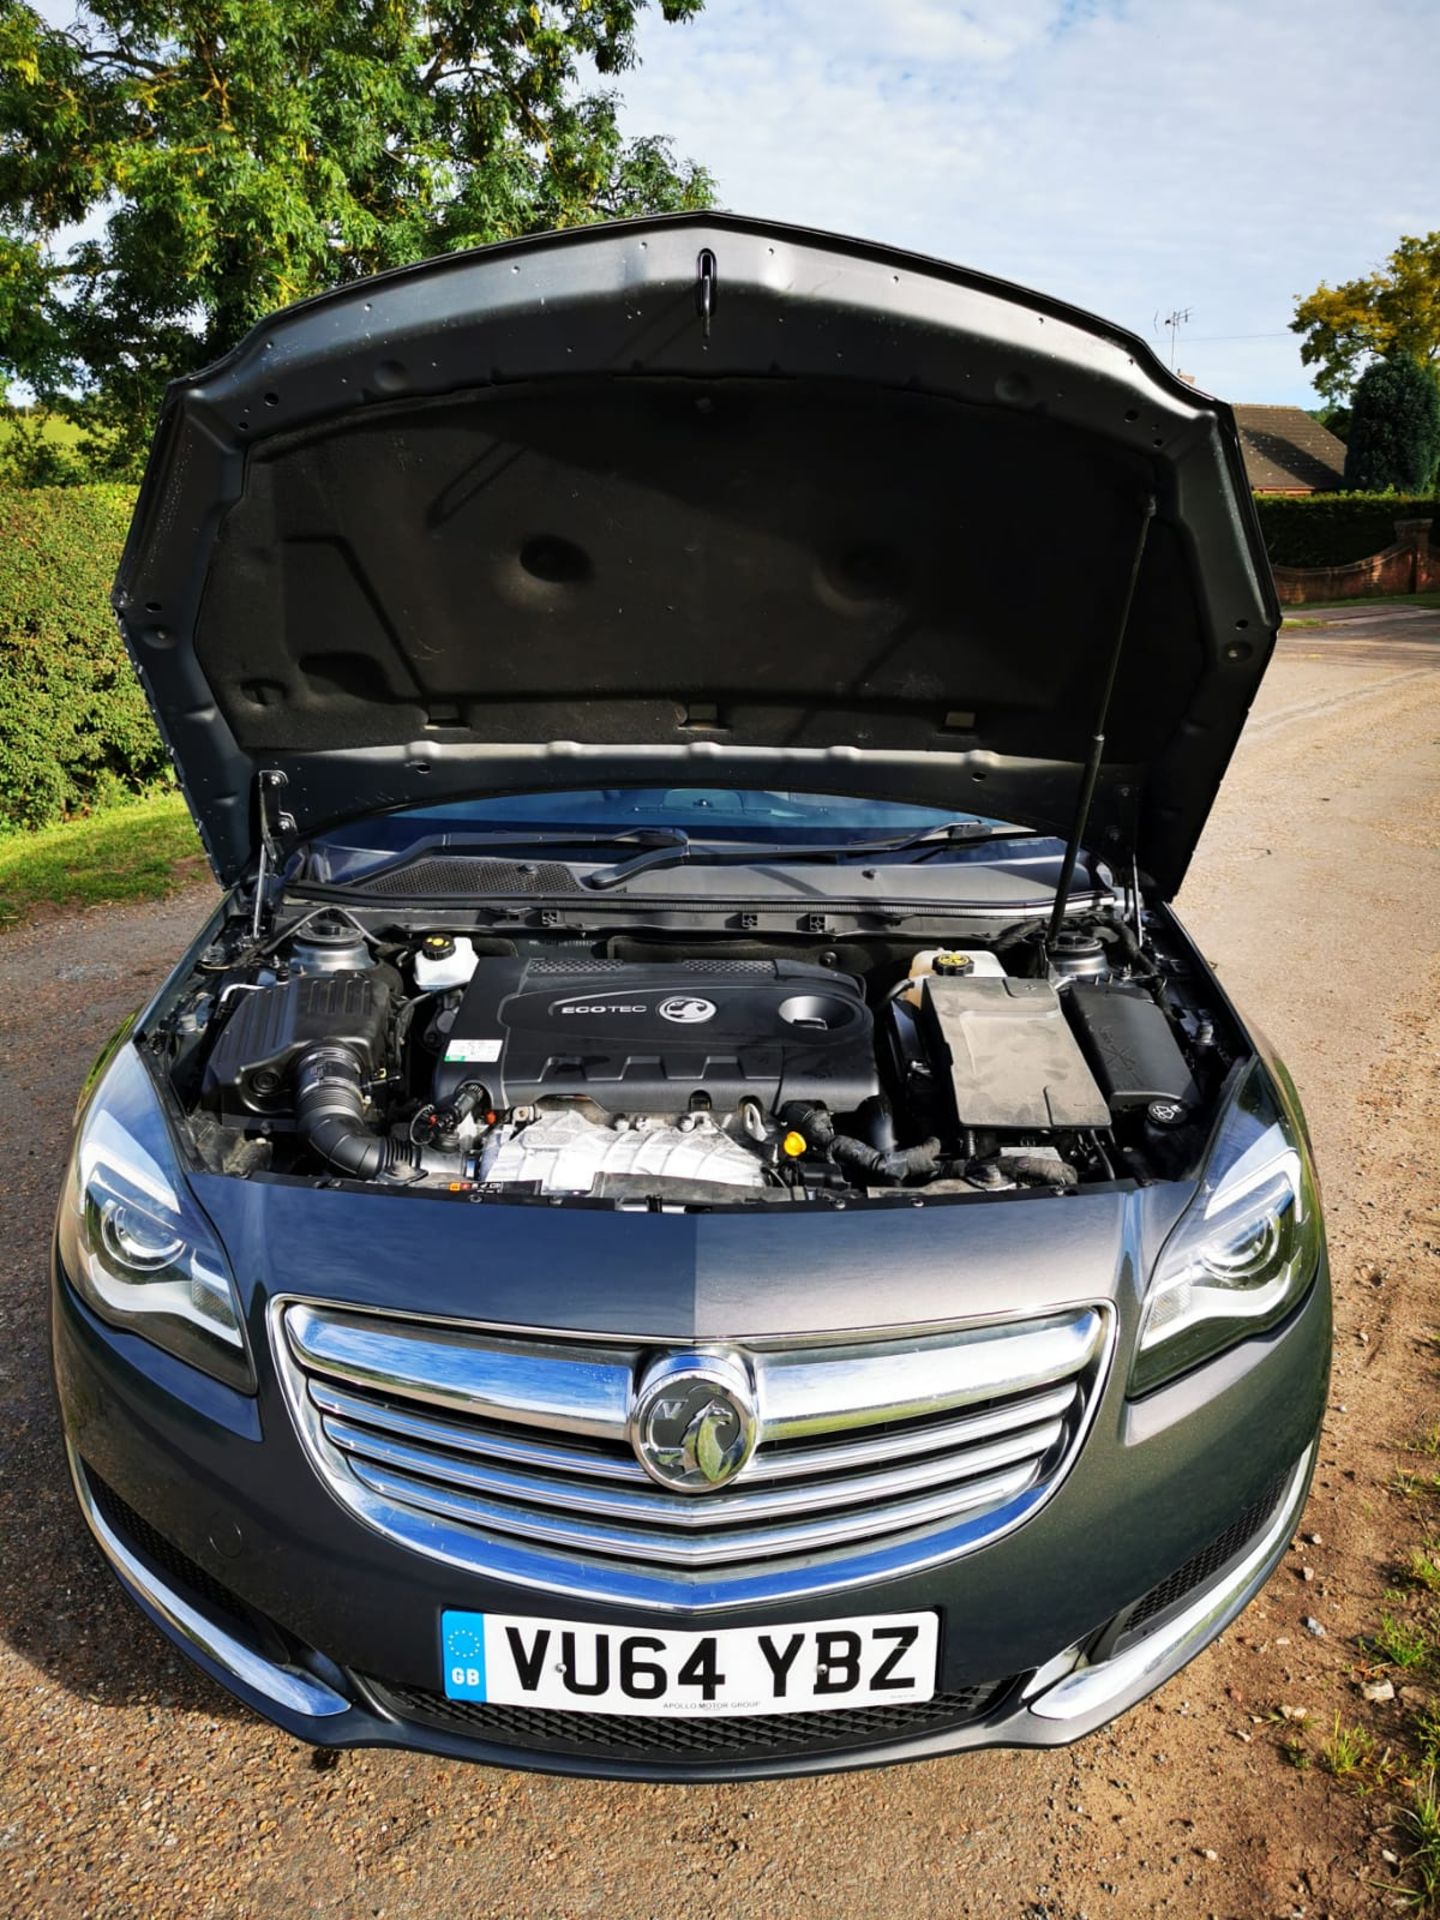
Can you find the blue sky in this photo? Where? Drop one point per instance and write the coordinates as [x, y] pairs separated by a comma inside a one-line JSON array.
[[1130, 155], [1133, 156]]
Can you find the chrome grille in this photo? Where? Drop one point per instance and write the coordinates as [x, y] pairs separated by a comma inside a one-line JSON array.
[[511, 1455]]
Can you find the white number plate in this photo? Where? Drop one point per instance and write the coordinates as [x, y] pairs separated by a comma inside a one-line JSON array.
[[521, 1661]]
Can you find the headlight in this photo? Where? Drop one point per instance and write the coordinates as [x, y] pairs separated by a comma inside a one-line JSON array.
[[1246, 1248], [134, 1242]]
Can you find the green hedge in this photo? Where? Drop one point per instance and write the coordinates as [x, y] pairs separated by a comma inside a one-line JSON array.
[[1331, 529], [75, 731]]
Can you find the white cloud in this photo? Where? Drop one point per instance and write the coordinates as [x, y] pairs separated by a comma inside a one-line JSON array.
[[1130, 155], [1133, 156]]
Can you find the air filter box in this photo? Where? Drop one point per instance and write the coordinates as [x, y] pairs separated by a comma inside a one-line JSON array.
[[266, 1031]]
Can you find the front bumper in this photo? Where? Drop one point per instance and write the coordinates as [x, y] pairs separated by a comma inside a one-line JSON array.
[[1068, 1698], [220, 1530]]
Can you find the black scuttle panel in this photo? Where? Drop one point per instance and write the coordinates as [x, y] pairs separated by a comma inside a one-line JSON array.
[[644, 1038], [266, 1032], [1130, 1045]]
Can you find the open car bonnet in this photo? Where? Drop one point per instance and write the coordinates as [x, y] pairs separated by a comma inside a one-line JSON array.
[[697, 500]]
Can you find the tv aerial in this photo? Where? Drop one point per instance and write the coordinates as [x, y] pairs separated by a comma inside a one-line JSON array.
[[1172, 324]]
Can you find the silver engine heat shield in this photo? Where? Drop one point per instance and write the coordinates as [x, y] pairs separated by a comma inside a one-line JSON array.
[[568, 1153]]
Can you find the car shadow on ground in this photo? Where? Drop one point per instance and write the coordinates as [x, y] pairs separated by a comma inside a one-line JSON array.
[[61, 1607]]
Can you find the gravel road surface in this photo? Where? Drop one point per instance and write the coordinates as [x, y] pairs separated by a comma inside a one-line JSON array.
[[131, 1787]]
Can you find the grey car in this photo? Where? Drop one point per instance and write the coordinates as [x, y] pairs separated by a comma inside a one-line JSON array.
[[694, 1212]]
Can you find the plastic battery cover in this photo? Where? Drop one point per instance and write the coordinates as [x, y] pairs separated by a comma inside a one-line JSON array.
[[1012, 1059]]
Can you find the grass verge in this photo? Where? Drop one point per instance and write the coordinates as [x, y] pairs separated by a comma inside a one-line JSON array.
[[140, 851], [1393, 1752], [1429, 599]]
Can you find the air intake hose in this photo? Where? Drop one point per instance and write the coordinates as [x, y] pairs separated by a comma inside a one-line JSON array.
[[330, 1112], [894, 1166], [1049, 1170]]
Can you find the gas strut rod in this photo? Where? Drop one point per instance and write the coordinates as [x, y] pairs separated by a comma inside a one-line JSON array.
[[1097, 739]]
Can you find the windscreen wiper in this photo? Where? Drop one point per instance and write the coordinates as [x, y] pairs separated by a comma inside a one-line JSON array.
[[951, 833], [646, 839]]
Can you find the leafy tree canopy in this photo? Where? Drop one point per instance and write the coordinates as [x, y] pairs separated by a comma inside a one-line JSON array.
[[1393, 311], [227, 157], [1334, 418], [1394, 429]]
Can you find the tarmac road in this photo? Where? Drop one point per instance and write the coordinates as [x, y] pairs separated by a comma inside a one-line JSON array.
[[131, 1787]]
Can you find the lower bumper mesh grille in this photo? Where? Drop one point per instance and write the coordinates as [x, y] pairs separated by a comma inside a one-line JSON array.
[[166, 1558], [601, 1736], [1203, 1565]]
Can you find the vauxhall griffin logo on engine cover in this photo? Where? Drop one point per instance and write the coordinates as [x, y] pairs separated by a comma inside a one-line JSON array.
[[688, 1009]]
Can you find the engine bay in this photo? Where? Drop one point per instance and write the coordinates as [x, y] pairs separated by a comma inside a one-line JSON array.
[[635, 1070]]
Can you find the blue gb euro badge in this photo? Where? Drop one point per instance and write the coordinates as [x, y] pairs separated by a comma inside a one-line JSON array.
[[462, 1653]]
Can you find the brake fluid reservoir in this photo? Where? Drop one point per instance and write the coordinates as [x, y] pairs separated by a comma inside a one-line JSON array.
[[443, 960]]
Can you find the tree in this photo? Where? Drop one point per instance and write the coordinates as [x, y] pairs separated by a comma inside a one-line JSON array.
[[1334, 418], [1395, 428], [223, 158], [1393, 311]]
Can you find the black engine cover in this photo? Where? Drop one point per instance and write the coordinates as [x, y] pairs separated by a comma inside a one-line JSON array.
[[637, 1038]]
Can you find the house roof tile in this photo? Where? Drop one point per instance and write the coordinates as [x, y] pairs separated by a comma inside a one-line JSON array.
[[1288, 452]]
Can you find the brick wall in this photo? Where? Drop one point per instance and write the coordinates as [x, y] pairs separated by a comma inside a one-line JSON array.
[[1410, 566]]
